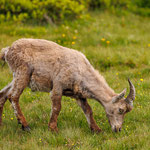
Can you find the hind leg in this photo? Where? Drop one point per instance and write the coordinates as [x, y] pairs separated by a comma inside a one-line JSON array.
[[3, 99], [20, 82]]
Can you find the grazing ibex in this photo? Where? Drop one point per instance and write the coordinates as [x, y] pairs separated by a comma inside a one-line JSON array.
[[46, 66]]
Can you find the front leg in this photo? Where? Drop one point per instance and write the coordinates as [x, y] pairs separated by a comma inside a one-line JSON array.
[[56, 107], [88, 114], [3, 99]]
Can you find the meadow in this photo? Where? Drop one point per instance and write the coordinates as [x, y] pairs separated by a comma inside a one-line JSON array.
[[116, 45]]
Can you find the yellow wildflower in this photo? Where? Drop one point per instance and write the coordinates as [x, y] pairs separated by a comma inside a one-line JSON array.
[[103, 39], [63, 35], [3, 115], [141, 80], [11, 118], [148, 45], [74, 37], [108, 42], [117, 73], [73, 43]]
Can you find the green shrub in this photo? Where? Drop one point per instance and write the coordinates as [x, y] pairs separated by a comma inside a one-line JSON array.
[[141, 7], [142, 3], [108, 3], [59, 10], [40, 10]]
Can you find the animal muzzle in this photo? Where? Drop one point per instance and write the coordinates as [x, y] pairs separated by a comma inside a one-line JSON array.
[[116, 128]]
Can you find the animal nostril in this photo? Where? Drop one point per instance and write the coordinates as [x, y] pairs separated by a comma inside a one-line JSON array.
[[115, 129]]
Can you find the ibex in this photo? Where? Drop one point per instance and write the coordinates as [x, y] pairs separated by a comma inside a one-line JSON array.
[[46, 66]]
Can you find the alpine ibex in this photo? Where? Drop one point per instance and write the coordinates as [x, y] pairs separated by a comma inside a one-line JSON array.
[[46, 66]]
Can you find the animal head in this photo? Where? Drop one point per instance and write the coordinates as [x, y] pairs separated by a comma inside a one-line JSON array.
[[119, 106]]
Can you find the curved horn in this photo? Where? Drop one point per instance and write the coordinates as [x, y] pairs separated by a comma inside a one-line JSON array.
[[131, 97], [118, 97]]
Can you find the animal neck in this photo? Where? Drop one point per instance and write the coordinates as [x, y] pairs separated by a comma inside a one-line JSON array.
[[100, 90]]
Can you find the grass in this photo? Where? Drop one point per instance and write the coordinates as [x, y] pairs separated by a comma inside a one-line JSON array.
[[126, 56]]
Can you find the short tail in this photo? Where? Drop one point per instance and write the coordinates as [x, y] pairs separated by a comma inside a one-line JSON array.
[[2, 55]]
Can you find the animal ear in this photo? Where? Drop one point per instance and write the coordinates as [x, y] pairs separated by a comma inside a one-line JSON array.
[[115, 99]]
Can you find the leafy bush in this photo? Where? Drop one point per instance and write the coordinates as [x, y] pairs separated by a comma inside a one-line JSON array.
[[142, 3], [108, 3], [58, 10], [118, 3], [141, 7], [40, 10]]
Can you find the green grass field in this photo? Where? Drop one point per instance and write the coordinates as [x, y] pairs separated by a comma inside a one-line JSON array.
[[119, 47]]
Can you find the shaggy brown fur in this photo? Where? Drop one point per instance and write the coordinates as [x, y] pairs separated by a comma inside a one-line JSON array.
[[46, 66]]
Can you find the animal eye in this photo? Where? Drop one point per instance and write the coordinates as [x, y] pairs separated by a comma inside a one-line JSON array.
[[121, 111], [112, 112]]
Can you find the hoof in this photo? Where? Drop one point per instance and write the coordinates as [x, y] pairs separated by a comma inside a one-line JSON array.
[[97, 130], [53, 127], [27, 128], [19, 122], [54, 130]]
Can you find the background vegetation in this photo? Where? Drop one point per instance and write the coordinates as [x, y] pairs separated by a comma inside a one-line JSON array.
[[50, 11], [114, 36]]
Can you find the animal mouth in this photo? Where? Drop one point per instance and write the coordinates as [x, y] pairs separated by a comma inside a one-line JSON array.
[[115, 129]]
